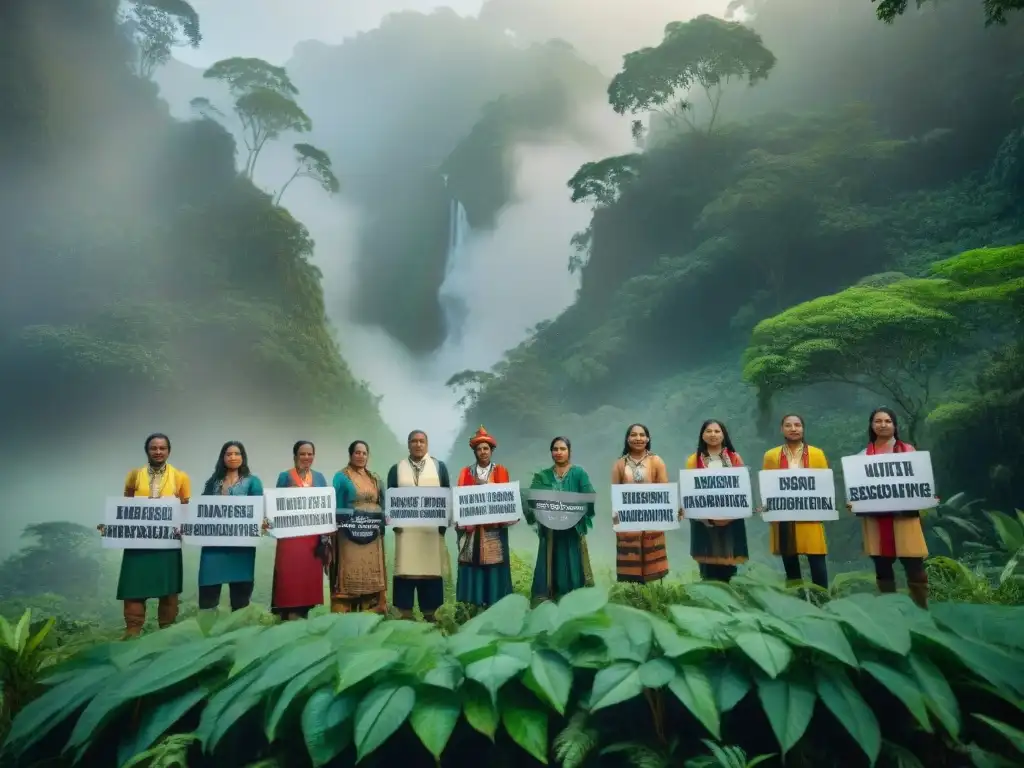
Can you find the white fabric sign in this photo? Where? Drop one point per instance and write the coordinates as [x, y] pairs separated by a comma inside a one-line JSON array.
[[295, 512], [798, 495], [137, 523], [716, 494], [223, 521], [645, 507], [418, 507], [487, 504], [889, 482]]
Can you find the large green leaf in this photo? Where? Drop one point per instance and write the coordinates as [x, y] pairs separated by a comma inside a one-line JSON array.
[[731, 685], [996, 624], [637, 627], [526, 723], [993, 663], [472, 647], [789, 705], [381, 712], [266, 643], [825, 635], [693, 688], [542, 620], [227, 706], [656, 673], [550, 677], [327, 724], [446, 673], [171, 668], [292, 661], [614, 684], [349, 625], [673, 644], [505, 617], [434, 717], [581, 602], [309, 679], [495, 671], [767, 651], [850, 709], [702, 623], [938, 695], [785, 607], [356, 666], [902, 687], [481, 711], [1011, 734], [157, 720], [872, 619]]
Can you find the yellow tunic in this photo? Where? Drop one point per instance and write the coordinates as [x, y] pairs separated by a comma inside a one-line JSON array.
[[807, 538]]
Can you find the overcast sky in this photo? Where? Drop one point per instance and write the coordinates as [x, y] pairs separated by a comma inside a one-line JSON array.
[[269, 29]]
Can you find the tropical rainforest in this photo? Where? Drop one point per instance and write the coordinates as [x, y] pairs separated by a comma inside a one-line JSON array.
[[822, 212]]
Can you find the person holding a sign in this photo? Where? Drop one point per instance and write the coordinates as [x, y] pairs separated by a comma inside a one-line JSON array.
[[485, 571], [421, 556], [888, 536], [641, 556], [563, 561], [299, 562], [358, 579], [233, 566], [718, 546], [149, 573], [789, 540]]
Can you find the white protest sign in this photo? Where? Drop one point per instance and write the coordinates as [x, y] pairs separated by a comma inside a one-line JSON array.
[[716, 494], [418, 507], [223, 521], [486, 504], [135, 523], [889, 482], [645, 507], [295, 512], [798, 495]]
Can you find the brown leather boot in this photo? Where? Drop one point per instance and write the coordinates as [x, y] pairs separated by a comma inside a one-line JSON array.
[[134, 618], [168, 611], [886, 586], [919, 593]]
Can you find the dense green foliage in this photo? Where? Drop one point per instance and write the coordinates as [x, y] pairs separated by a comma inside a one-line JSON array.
[[143, 275], [578, 683], [816, 205]]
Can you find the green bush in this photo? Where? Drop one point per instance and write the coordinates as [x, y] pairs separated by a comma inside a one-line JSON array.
[[581, 681]]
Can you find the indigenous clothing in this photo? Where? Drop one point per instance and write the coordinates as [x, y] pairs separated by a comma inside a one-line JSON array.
[[793, 538], [229, 565], [725, 543], [298, 569], [357, 574], [640, 557], [421, 556], [147, 573], [896, 535], [485, 571], [563, 562]]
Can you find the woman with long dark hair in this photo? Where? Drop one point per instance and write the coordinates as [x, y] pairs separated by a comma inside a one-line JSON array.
[[789, 540], [233, 566], [299, 562], [640, 556], [899, 534], [718, 546], [563, 562], [358, 580]]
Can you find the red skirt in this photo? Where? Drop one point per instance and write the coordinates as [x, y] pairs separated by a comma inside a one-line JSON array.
[[298, 573]]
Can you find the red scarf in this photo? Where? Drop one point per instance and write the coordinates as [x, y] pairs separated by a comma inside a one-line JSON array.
[[298, 480], [805, 459], [887, 523], [729, 460]]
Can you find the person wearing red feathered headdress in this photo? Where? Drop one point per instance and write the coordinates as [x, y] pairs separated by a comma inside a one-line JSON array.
[[485, 572]]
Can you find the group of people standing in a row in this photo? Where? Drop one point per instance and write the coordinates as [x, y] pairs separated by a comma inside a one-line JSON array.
[[356, 568]]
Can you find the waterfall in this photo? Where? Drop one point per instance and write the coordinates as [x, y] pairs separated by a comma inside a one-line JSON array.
[[455, 288]]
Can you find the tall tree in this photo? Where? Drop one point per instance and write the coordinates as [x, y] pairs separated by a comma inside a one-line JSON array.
[[995, 10], [157, 26], [313, 163], [264, 103], [706, 52]]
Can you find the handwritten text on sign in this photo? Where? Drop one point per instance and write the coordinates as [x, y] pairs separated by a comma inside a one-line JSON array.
[[890, 482], [647, 507], [798, 495], [419, 507], [294, 512], [559, 510], [223, 521], [487, 504], [141, 523], [716, 494]]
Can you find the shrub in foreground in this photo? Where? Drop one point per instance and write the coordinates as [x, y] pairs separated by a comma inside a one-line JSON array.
[[866, 680]]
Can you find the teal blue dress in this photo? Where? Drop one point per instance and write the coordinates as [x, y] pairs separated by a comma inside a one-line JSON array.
[[229, 565]]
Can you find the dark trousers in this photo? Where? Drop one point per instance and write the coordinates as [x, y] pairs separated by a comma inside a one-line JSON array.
[[912, 566], [819, 569], [716, 572], [239, 592]]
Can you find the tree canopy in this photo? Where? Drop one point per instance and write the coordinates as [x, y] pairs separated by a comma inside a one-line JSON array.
[[995, 10]]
